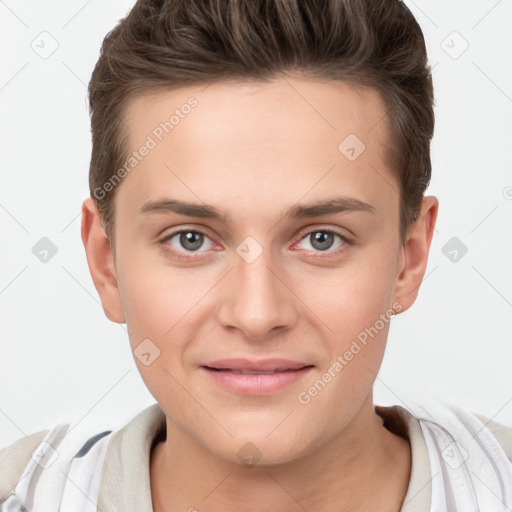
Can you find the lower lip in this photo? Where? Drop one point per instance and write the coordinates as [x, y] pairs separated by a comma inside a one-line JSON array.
[[256, 384]]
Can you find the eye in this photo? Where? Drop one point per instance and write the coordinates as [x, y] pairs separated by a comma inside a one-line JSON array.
[[186, 241], [321, 240]]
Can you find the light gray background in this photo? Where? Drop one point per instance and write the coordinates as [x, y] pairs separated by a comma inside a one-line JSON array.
[[61, 359]]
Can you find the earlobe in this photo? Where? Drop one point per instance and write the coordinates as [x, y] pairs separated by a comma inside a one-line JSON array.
[[100, 261], [415, 254]]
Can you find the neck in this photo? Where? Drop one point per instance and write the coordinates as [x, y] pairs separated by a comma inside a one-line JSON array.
[[364, 467]]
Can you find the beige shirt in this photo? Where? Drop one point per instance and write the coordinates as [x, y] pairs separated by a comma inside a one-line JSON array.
[[125, 484]]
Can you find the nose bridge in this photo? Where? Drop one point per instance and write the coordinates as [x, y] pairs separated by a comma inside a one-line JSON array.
[[257, 301]]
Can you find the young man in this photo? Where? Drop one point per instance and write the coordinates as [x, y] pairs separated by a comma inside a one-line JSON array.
[[257, 216]]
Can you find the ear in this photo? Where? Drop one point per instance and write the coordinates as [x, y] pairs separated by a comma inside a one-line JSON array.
[[101, 261], [414, 254]]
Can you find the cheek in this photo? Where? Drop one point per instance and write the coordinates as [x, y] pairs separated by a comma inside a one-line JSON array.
[[358, 319], [352, 304], [154, 295], [155, 311], [168, 307], [349, 299], [151, 311]]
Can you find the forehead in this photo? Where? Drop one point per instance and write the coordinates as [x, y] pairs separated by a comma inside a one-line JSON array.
[[284, 138], [237, 108]]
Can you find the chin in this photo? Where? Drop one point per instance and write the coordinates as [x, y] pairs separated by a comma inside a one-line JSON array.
[[255, 447]]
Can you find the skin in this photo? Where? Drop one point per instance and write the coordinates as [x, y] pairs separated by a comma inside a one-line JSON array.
[[254, 150]]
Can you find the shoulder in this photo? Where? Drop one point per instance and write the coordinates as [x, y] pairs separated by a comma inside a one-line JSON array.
[[502, 433], [86, 454], [462, 443], [14, 458], [461, 422], [34, 471], [469, 455]]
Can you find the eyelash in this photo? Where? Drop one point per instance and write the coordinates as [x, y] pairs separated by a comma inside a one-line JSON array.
[[179, 255]]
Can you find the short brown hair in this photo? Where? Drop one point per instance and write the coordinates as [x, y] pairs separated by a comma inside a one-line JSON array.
[[167, 44]]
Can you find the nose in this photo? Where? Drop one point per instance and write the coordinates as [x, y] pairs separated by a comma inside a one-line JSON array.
[[256, 298]]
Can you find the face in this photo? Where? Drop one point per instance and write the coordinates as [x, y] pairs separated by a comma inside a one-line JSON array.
[[256, 226]]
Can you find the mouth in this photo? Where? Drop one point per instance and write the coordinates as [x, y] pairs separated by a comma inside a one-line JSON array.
[[255, 372], [255, 378]]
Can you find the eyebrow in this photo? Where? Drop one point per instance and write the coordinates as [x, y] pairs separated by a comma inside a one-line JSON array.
[[335, 205]]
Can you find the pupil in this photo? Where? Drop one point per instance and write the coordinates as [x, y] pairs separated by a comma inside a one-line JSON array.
[[188, 242], [322, 240]]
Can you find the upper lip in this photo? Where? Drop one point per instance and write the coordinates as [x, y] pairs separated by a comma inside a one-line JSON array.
[[276, 364]]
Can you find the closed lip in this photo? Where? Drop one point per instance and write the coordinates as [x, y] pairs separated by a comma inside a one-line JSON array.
[[263, 365]]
